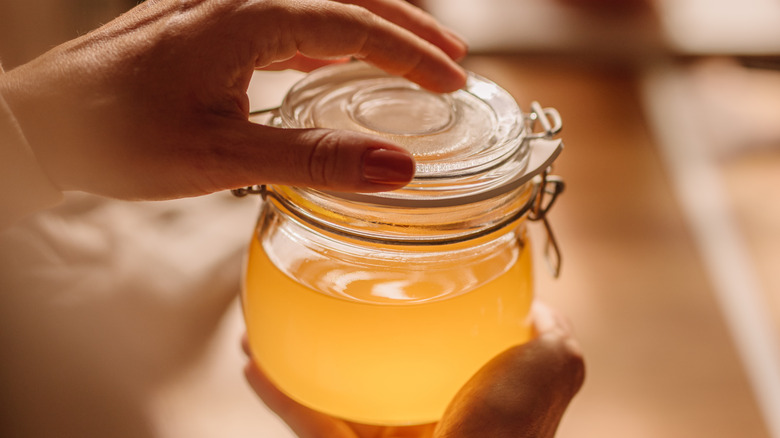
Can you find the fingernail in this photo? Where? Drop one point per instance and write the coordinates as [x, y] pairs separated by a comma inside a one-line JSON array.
[[385, 166]]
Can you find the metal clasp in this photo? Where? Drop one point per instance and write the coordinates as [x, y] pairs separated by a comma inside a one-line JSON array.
[[261, 190], [549, 118], [550, 187]]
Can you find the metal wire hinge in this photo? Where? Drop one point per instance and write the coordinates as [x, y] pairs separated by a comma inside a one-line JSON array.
[[548, 118], [549, 188], [251, 190]]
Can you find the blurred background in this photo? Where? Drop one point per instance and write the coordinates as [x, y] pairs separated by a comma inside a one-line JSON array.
[[668, 227]]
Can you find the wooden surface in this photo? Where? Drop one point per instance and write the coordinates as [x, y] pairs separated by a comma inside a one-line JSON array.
[[660, 359]]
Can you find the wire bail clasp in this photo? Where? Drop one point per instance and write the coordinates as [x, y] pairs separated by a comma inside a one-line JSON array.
[[261, 190], [549, 119], [550, 187]]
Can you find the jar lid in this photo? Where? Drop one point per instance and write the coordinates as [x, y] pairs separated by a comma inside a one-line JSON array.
[[464, 142]]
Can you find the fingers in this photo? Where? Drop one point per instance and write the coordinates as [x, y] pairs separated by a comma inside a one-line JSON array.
[[326, 29], [398, 12], [524, 391], [318, 158], [302, 63], [419, 22]]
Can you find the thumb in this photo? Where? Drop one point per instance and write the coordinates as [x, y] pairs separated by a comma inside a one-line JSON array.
[[319, 158], [521, 393]]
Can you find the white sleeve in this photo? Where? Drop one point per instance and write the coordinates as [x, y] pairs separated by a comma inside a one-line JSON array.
[[24, 187]]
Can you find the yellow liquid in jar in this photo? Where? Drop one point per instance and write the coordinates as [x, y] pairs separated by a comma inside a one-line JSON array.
[[395, 364]]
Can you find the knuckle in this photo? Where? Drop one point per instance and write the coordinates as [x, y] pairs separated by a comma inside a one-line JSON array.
[[364, 24], [561, 357], [580, 372], [570, 363], [357, 12], [324, 158]]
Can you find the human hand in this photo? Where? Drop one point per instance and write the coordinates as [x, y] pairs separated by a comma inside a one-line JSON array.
[[521, 393], [153, 105]]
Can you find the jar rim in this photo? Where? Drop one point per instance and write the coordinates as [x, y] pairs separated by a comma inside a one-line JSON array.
[[434, 221], [465, 143]]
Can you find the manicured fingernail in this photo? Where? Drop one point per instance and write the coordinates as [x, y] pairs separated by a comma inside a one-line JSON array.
[[385, 166]]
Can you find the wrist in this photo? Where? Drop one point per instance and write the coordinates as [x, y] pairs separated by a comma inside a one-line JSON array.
[[31, 97], [24, 185]]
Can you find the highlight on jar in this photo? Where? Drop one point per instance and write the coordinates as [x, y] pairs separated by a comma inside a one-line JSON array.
[[377, 307]]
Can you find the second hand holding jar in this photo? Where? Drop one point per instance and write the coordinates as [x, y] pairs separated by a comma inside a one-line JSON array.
[[376, 308]]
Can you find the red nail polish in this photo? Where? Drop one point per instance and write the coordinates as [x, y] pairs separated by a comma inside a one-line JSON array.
[[385, 166]]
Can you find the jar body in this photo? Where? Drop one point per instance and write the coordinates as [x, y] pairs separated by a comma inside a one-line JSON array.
[[381, 334]]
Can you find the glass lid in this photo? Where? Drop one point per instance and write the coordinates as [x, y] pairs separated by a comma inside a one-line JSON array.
[[463, 142]]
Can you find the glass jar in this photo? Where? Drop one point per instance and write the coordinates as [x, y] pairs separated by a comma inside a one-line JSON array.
[[377, 308]]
